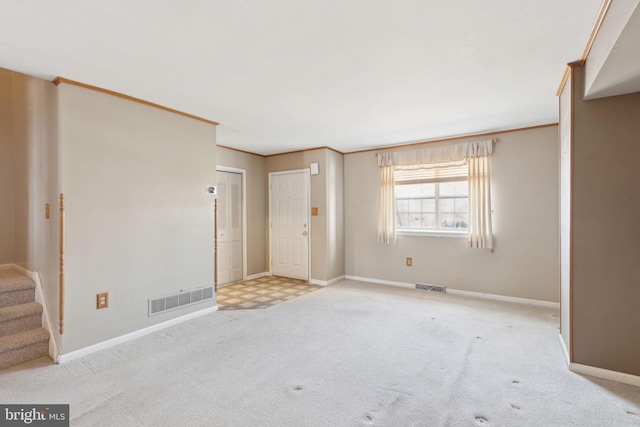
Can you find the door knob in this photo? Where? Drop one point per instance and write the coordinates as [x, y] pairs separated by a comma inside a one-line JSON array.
[[304, 233]]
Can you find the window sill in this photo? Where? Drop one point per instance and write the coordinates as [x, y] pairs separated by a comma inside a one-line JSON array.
[[432, 233]]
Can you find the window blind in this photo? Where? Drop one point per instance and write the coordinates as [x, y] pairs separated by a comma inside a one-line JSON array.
[[437, 172]]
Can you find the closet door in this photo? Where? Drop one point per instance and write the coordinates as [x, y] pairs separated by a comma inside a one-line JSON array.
[[229, 227]]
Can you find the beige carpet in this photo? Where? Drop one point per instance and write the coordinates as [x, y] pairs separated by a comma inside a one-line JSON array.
[[263, 292], [353, 354]]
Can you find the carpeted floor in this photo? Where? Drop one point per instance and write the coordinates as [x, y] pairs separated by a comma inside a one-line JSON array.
[[263, 292], [354, 354]]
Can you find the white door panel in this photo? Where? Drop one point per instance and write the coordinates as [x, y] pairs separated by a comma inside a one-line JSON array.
[[289, 218], [229, 227]]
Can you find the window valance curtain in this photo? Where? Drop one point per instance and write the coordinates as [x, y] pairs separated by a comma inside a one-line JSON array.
[[440, 154], [474, 154]]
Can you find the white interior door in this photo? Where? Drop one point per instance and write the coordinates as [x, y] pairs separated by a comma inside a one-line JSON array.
[[289, 221], [229, 227]]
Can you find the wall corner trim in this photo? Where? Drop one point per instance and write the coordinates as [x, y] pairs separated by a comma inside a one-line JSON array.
[[58, 80], [64, 358], [258, 275], [326, 282]]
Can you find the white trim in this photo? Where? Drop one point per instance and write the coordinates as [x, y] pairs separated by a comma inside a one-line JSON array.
[[307, 175], [257, 276], [64, 358], [326, 282], [463, 293], [382, 282], [432, 233], [335, 279], [6, 266], [564, 350], [606, 374], [242, 172], [54, 352], [518, 300]]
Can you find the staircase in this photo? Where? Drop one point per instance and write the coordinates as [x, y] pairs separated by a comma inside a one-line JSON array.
[[22, 336]]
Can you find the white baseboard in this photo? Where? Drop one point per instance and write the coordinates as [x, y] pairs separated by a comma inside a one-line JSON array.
[[592, 371], [64, 358], [6, 266], [535, 302], [326, 282], [463, 293], [605, 374], [257, 276], [381, 282], [335, 279]]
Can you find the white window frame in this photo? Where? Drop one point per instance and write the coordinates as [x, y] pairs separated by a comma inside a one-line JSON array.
[[434, 232]]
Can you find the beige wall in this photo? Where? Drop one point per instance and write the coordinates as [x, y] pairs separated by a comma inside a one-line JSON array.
[[327, 235], [7, 185], [335, 214], [606, 208], [525, 201], [256, 198], [30, 179], [138, 222], [303, 160]]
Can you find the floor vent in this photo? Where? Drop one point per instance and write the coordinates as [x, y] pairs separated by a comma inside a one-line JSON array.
[[431, 287], [179, 300]]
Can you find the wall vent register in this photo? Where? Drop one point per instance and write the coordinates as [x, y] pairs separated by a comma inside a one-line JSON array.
[[179, 300]]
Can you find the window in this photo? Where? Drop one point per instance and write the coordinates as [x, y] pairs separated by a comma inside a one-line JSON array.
[[432, 198]]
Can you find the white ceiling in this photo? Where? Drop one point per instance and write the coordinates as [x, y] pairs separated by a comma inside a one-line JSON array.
[[283, 75]]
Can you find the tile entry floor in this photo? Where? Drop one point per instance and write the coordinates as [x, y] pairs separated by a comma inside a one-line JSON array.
[[263, 292]]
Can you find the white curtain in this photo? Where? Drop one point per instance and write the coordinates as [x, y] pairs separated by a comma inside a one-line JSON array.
[[480, 234], [387, 208], [476, 154]]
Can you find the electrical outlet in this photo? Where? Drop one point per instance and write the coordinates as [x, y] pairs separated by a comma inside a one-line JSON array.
[[409, 261], [102, 300]]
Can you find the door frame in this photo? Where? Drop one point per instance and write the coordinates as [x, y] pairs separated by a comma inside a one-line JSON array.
[[242, 172], [307, 174]]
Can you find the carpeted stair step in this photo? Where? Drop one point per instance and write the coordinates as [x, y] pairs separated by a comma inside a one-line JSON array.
[[23, 346], [20, 318], [15, 288]]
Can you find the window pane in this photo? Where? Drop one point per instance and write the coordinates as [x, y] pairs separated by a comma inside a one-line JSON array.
[[462, 205], [446, 205], [402, 220], [402, 205], [454, 188], [429, 220], [415, 190], [447, 221], [415, 220], [415, 206], [462, 221], [428, 205]]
